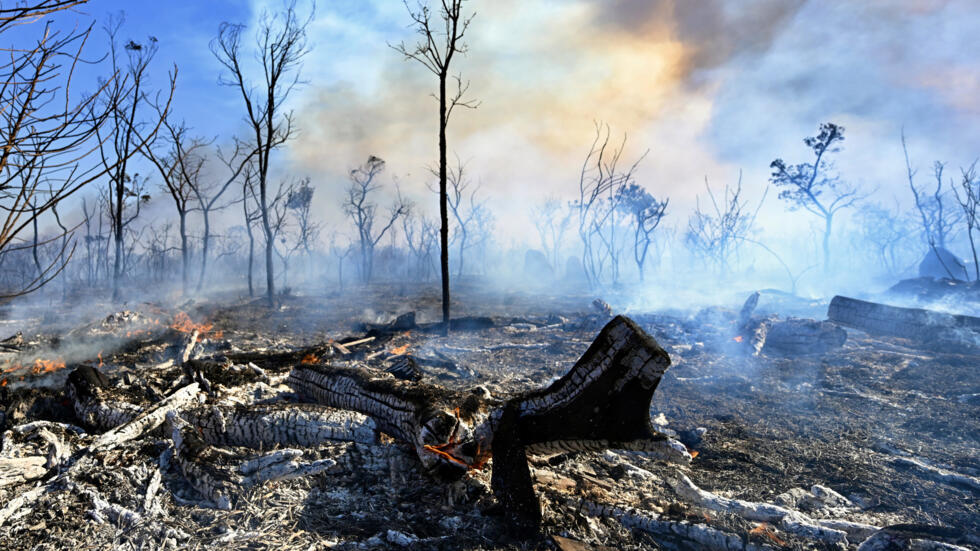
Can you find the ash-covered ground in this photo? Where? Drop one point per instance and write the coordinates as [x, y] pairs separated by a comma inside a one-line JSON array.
[[888, 425]]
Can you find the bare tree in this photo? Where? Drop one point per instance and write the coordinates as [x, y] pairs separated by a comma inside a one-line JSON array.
[[362, 212], [300, 202], [281, 45], [551, 220], [645, 213], [209, 192], [938, 222], [716, 234], [46, 130], [422, 237], [968, 196], [179, 167], [124, 136], [885, 231], [811, 186], [29, 12], [464, 208], [435, 51], [251, 216], [600, 179]]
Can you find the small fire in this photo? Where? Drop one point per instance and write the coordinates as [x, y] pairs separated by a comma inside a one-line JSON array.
[[403, 349], [47, 366], [694, 453], [762, 529], [39, 366], [100, 358], [309, 359], [3, 382], [182, 322], [738, 338]]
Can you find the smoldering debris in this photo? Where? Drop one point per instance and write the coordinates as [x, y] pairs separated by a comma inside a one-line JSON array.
[[183, 439]]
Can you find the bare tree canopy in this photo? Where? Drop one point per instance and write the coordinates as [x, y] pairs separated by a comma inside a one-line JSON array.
[[48, 134], [280, 46]]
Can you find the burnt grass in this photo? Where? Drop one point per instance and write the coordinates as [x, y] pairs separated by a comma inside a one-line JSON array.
[[772, 423]]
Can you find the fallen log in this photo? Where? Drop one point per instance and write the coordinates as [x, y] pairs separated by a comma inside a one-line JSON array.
[[917, 324], [603, 402], [802, 336]]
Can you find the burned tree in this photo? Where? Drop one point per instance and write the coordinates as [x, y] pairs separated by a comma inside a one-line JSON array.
[[208, 193], [362, 212], [465, 209], [179, 168], [596, 207], [938, 221], [422, 237], [812, 187], [716, 235], [125, 132], [645, 213], [968, 196], [551, 220], [281, 45], [300, 202], [46, 130], [435, 51]]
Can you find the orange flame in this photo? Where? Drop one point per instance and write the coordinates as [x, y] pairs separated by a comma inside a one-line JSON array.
[[403, 349], [309, 359], [100, 358], [762, 529], [3, 382], [694, 453], [738, 338], [182, 322], [39, 366]]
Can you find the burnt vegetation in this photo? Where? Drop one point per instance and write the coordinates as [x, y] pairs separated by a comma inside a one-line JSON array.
[[205, 348]]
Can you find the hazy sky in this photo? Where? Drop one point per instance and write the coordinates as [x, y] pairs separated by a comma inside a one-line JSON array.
[[708, 86]]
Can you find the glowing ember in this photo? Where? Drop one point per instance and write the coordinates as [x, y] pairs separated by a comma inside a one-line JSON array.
[[100, 358], [738, 338], [309, 359], [403, 349], [694, 453], [762, 529]]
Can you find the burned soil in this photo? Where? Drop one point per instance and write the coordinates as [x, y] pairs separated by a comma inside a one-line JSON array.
[[880, 432]]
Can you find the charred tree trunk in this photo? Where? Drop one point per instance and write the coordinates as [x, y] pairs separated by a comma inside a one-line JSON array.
[[443, 199], [205, 243]]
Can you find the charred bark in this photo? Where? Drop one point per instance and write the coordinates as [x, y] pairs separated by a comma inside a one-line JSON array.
[[925, 326]]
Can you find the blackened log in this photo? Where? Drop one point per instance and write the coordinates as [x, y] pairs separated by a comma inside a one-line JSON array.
[[803, 336], [915, 324]]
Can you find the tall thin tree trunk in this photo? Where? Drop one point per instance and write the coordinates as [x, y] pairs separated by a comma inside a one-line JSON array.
[[118, 229], [204, 247], [37, 260], [443, 207], [973, 247], [184, 252], [270, 284]]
